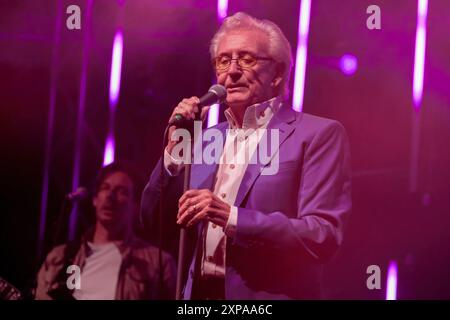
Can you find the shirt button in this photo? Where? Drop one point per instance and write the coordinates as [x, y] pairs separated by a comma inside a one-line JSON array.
[[232, 166], [209, 258], [223, 195], [214, 225], [241, 139]]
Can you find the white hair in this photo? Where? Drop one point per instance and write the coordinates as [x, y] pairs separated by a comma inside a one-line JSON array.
[[279, 47]]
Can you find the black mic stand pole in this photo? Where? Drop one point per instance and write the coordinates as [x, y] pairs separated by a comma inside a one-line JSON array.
[[183, 239], [182, 255]]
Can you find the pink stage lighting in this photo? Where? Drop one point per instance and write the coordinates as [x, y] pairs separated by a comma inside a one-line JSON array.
[[419, 57], [391, 291], [114, 89], [213, 113], [348, 64], [300, 60]]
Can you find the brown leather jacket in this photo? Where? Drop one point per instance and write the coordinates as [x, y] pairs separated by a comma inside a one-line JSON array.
[[138, 275]]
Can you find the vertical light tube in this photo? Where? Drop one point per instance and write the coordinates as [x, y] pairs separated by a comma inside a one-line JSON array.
[[213, 113], [222, 9], [108, 156], [419, 69], [302, 51], [50, 128], [391, 286], [80, 119], [114, 90], [419, 56], [116, 68]]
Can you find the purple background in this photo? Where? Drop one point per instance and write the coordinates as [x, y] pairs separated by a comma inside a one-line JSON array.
[[166, 58]]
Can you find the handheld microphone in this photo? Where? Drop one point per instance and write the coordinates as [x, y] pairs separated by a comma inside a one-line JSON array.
[[217, 93], [77, 195]]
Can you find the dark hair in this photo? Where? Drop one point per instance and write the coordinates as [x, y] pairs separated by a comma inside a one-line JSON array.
[[124, 167]]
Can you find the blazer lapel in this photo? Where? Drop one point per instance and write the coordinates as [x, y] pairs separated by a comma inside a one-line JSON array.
[[280, 121]]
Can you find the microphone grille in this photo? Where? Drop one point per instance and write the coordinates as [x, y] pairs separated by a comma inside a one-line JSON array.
[[79, 194], [82, 191], [219, 91]]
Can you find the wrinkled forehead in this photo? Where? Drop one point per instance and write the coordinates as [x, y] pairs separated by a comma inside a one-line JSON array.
[[237, 41]]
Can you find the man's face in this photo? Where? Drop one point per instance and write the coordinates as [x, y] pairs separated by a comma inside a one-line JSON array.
[[247, 86], [114, 203]]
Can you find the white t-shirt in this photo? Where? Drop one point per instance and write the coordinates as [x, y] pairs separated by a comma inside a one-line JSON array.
[[100, 273]]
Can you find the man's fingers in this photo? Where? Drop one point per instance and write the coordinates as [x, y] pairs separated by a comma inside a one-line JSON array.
[[195, 100], [192, 212], [203, 211], [199, 216], [185, 217], [187, 108], [188, 194], [194, 201], [189, 214], [187, 204]]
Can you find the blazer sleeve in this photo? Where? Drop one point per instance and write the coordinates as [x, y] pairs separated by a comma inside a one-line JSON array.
[[323, 202], [149, 209], [151, 195]]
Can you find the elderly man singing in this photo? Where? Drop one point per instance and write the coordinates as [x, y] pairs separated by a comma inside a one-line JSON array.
[[259, 236]]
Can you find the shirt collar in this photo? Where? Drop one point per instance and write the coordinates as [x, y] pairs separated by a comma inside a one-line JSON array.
[[123, 245], [256, 115]]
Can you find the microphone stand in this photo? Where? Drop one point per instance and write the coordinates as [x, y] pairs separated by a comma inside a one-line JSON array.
[[215, 93], [183, 236], [61, 222], [182, 245]]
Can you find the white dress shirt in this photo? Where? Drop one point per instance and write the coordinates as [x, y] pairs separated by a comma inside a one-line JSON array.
[[240, 144]]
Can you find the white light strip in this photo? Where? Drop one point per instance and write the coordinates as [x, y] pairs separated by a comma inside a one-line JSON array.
[[213, 113], [302, 50], [391, 291], [419, 57]]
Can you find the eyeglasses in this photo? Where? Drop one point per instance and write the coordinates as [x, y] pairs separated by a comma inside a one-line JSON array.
[[245, 61]]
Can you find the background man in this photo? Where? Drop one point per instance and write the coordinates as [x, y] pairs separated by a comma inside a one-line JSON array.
[[114, 263]]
